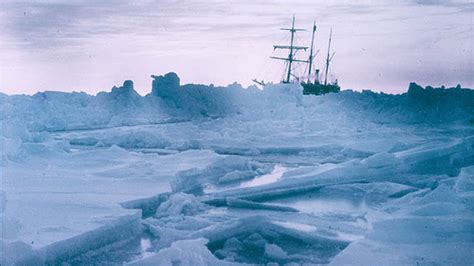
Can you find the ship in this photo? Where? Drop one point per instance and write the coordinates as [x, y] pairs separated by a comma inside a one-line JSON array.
[[312, 84]]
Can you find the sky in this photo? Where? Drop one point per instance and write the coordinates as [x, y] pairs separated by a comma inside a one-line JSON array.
[[92, 45]]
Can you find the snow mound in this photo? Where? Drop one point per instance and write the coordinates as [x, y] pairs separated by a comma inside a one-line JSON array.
[[194, 99], [54, 111], [184, 252], [465, 180], [181, 204]]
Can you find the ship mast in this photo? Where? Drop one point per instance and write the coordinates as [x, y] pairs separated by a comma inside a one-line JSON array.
[[328, 59], [310, 59], [293, 50]]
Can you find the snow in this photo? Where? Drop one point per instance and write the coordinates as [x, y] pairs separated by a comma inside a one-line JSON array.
[[435, 228], [184, 252], [199, 175]]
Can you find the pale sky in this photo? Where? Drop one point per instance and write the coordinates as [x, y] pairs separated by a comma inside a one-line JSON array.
[[92, 45]]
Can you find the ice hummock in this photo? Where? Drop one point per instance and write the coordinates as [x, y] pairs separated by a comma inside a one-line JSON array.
[[226, 175]]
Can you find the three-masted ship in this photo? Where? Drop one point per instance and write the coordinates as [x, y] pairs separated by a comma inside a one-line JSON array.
[[312, 84]]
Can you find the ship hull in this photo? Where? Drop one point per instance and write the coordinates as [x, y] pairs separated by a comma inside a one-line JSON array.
[[319, 89]]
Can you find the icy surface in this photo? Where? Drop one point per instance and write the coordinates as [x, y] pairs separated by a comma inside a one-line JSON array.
[[199, 175]]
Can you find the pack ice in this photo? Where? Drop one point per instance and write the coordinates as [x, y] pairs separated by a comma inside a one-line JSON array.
[[205, 175]]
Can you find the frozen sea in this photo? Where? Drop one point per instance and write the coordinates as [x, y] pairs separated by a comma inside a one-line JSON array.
[[204, 175]]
